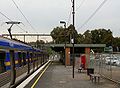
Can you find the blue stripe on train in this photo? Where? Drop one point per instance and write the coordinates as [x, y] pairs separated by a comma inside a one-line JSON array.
[[7, 57], [8, 60], [16, 58], [8, 67]]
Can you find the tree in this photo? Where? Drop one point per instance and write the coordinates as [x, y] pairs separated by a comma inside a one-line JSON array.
[[116, 44], [72, 33], [116, 41], [102, 36], [60, 34], [87, 37], [38, 43], [80, 39], [97, 36]]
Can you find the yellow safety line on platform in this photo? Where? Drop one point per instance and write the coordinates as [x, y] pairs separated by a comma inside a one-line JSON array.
[[40, 76]]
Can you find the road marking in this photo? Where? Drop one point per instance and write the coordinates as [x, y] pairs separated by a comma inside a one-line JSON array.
[[40, 76]]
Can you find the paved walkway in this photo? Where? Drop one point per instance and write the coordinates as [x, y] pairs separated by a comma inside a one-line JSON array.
[[59, 76]]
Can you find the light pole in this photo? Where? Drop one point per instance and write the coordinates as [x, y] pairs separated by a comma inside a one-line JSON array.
[[63, 22], [73, 40]]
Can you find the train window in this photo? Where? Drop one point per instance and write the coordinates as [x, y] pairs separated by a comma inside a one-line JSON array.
[[2, 62], [20, 59], [24, 58]]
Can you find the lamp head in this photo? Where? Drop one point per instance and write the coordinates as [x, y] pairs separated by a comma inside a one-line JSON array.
[[62, 22]]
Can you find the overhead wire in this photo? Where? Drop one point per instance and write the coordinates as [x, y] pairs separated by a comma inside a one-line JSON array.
[[10, 20], [24, 16], [70, 15], [100, 6], [5, 16], [80, 5], [69, 18]]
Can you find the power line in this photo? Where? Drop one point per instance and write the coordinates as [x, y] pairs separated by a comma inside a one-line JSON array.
[[23, 15], [5, 16], [93, 14], [69, 18], [10, 20], [80, 5], [22, 28]]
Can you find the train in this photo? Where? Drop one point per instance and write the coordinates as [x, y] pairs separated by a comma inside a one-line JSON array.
[[16, 56]]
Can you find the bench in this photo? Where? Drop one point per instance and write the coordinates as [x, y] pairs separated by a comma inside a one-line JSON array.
[[94, 77]]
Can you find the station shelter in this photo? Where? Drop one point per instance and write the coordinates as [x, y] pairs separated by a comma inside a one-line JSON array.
[[82, 48], [78, 48]]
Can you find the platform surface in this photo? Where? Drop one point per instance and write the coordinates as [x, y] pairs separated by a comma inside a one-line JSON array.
[[59, 76]]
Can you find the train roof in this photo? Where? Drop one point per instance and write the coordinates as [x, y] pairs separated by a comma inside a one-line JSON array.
[[8, 43]]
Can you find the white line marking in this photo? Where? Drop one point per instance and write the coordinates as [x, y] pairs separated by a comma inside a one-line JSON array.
[[24, 83]]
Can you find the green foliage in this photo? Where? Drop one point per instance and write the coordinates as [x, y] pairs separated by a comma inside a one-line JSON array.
[[38, 43], [50, 51], [60, 34], [116, 41], [102, 36], [96, 36], [87, 37], [80, 39], [57, 34]]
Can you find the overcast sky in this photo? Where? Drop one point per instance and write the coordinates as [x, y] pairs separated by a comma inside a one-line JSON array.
[[44, 15]]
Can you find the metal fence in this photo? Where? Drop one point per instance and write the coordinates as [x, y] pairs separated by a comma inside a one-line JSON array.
[[108, 65], [105, 64]]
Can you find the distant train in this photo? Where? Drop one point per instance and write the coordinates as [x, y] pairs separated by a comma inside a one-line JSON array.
[[19, 56]]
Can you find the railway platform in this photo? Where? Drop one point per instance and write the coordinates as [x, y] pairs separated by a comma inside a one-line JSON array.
[[56, 75]]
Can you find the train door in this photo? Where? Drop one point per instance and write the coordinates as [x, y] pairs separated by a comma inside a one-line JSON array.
[[28, 58], [37, 60], [41, 58], [20, 58], [31, 57], [24, 58], [2, 62], [31, 61], [12, 63]]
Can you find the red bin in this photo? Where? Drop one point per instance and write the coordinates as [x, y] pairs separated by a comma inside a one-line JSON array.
[[83, 61]]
